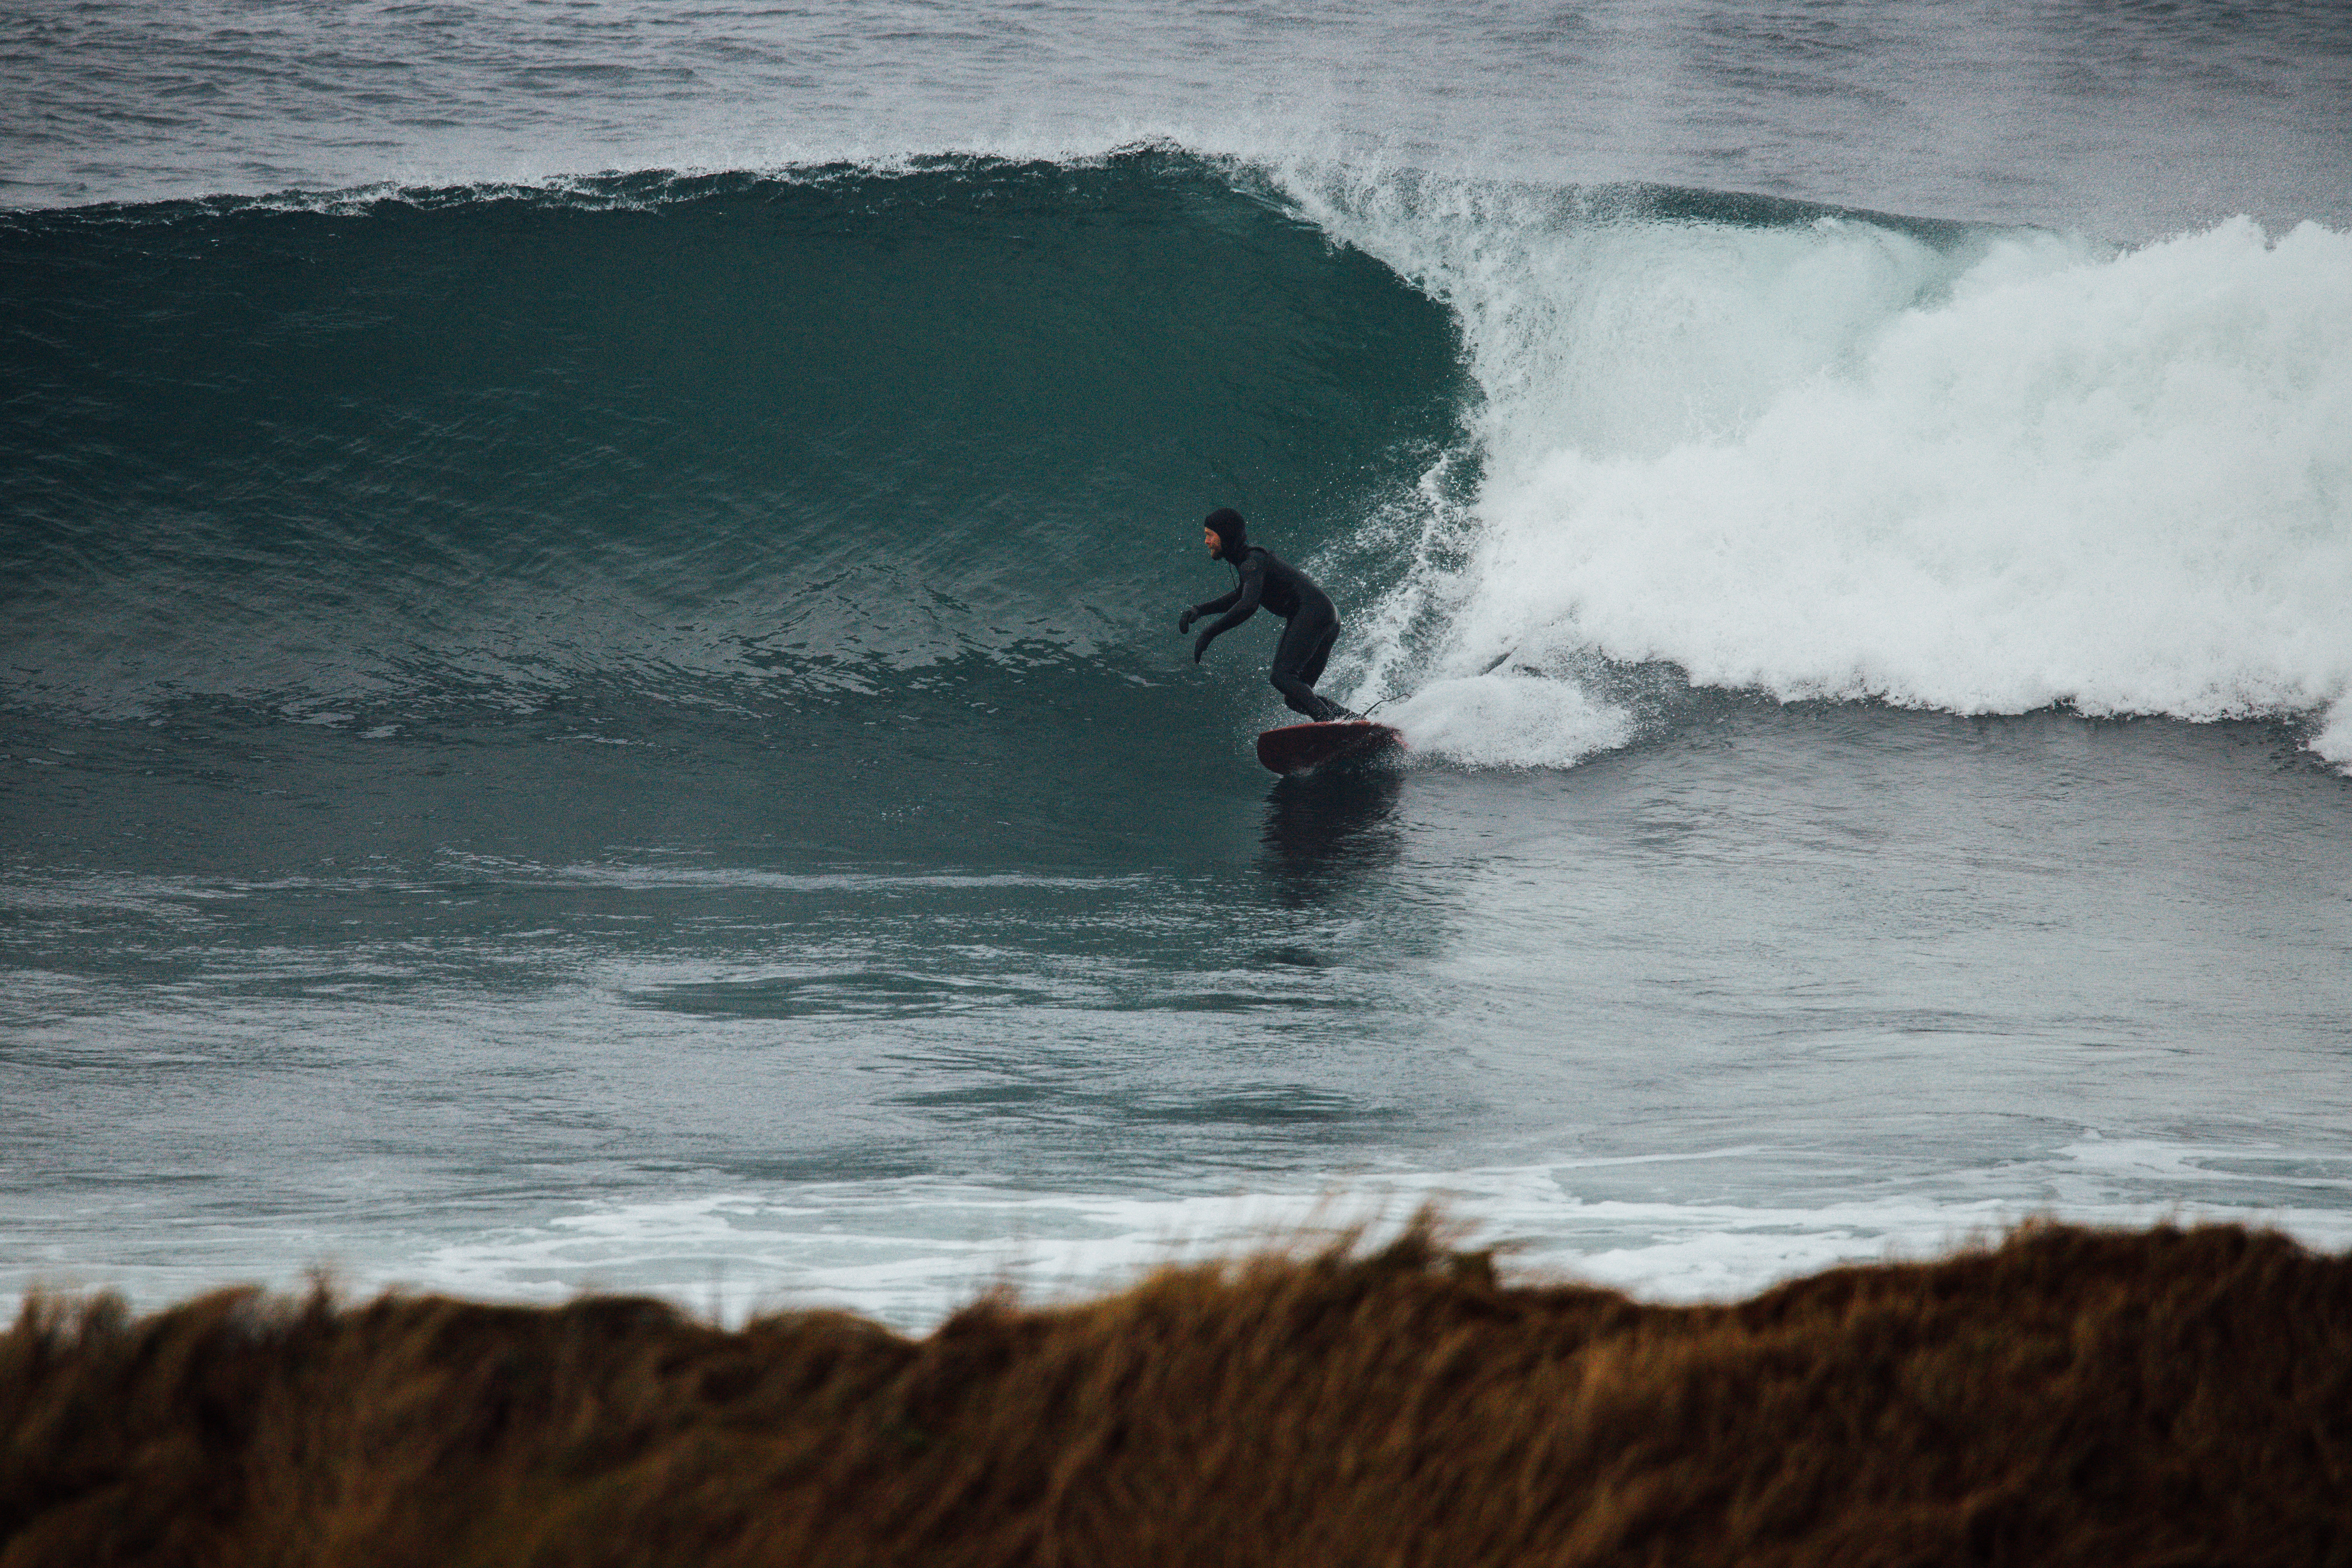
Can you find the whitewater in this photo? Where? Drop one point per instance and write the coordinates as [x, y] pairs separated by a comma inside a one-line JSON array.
[[590, 695], [1837, 461]]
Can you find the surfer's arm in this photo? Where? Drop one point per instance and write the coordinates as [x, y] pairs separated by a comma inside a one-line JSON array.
[[1239, 605], [1209, 607]]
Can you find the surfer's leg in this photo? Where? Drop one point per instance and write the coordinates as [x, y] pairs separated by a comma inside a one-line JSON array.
[[1299, 661], [1313, 672]]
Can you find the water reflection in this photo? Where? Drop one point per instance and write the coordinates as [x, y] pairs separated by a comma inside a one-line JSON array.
[[1325, 830]]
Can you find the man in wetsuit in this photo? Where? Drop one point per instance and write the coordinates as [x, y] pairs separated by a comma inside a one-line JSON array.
[[1266, 579]]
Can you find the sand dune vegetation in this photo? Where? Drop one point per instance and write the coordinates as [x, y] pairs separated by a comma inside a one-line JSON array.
[[2066, 1396]]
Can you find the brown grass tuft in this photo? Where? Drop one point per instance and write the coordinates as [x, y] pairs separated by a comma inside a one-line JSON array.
[[2174, 1397]]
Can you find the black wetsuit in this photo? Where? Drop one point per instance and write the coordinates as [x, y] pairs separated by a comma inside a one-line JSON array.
[[1313, 626]]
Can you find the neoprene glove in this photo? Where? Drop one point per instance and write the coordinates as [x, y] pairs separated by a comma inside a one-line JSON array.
[[1184, 622], [1199, 646]]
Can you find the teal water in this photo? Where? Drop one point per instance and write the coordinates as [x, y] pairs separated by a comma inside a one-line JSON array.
[[631, 732]]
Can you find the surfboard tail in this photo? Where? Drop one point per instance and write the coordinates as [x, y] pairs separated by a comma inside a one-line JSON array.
[[1296, 748]]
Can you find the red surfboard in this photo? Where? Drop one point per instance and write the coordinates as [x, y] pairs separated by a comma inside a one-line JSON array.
[[1295, 748]]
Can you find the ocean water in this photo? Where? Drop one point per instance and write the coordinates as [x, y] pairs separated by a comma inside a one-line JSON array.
[[589, 693]]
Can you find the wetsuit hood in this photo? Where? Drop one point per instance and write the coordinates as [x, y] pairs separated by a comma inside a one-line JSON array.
[[1232, 531]]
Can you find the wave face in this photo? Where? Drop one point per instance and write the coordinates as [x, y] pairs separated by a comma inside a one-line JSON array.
[[687, 437], [1831, 455], [858, 431]]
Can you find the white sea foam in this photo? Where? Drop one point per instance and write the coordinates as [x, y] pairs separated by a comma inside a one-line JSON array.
[[909, 1251], [1986, 475]]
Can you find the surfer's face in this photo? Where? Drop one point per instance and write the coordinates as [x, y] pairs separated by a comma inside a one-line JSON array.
[[1209, 537]]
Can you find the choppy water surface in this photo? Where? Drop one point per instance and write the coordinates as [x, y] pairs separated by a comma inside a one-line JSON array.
[[1767, 989], [2127, 120], [628, 729]]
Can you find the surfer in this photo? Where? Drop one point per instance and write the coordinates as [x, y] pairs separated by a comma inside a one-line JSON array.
[[1266, 579]]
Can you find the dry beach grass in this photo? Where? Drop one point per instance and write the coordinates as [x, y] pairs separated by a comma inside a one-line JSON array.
[[2065, 1397]]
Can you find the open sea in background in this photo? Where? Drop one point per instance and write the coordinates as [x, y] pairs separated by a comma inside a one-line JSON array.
[[589, 693]]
